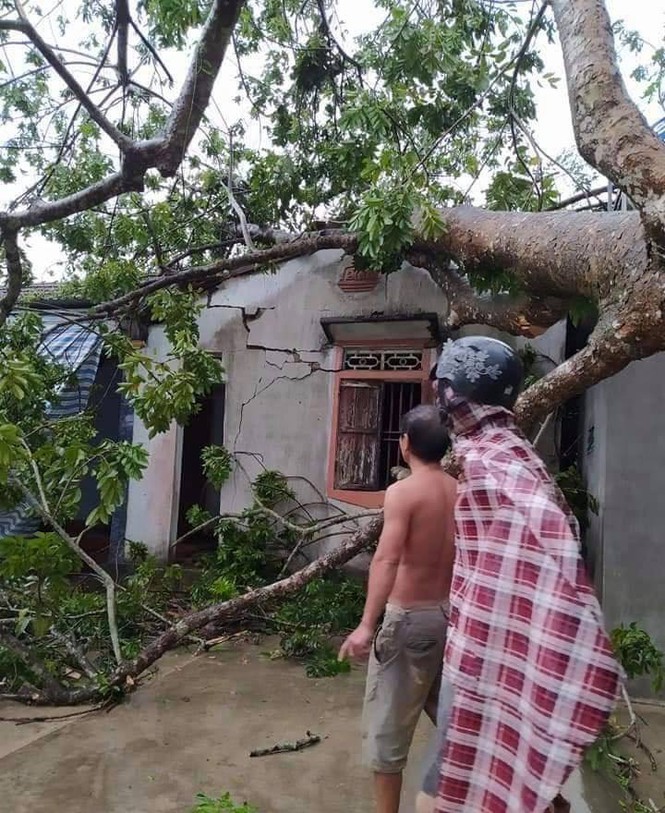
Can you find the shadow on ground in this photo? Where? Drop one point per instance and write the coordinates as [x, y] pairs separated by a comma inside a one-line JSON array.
[[191, 729]]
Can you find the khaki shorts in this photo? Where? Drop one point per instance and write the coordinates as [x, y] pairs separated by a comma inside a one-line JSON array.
[[430, 784], [403, 679]]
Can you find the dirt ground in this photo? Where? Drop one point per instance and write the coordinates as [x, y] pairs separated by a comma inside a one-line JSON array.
[[191, 729]]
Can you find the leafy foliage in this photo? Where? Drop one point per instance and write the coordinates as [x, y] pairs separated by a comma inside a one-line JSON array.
[[574, 489], [223, 804], [638, 654], [324, 608], [57, 610], [249, 554], [639, 657]]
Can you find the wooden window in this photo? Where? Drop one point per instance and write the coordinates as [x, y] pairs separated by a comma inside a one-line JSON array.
[[358, 436], [374, 388]]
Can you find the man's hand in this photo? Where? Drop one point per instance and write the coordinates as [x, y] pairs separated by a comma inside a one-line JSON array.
[[358, 644]]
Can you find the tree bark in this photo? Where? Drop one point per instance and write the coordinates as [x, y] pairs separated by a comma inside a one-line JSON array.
[[517, 315], [611, 133], [550, 254], [191, 104], [14, 274]]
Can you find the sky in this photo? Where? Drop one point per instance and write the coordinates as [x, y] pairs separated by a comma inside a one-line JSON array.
[[552, 130]]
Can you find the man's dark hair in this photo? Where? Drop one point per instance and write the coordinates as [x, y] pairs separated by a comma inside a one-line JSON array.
[[428, 438]]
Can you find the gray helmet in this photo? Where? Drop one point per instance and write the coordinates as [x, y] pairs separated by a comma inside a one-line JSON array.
[[481, 369]]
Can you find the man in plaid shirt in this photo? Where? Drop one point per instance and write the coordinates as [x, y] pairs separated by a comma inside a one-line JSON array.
[[529, 675]]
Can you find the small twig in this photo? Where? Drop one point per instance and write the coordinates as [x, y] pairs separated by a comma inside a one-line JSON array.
[[27, 720], [82, 662], [204, 525], [237, 208], [222, 639], [542, 429], [152, 50], [296, 550], [285, 747], [636, 739], [73, 544]]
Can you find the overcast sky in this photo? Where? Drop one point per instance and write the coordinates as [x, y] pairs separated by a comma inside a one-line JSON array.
[[553, 128]]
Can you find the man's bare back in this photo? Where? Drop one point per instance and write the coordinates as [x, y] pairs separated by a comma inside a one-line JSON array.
[[409, 582], [427, 499]]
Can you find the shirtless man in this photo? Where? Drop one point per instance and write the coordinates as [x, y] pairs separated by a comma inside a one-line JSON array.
[[409, 582]]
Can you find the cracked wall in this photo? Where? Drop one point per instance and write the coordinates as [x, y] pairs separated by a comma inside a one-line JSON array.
[[280, 367], [279, 381]]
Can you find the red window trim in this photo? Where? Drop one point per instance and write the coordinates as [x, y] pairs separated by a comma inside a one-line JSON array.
[[369, 499]]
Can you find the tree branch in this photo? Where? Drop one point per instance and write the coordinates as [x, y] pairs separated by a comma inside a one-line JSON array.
[[73, 545], [521, 316], [230, 609], [585, 194], [55, 691], [220, 271], [551, 254], [48, 211], [122, 21], [164, 152], [26, 27], [151, 49], [190, 106], [605, 355], [14, 274], [611, 133]]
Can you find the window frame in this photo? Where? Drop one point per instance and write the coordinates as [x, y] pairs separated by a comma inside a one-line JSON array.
[[371, 499]]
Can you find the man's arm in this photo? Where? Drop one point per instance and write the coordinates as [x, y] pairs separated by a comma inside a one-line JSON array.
[[382, 571]]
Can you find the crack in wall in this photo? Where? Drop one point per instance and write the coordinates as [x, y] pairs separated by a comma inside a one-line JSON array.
[[249, 315], [260, 391], [294, 356]]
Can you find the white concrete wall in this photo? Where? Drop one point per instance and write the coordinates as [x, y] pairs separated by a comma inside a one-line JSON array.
[[625, 471], [152, 502], [279, 381]]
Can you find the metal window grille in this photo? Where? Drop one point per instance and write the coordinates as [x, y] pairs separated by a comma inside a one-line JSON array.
[[398, 398], [383, 360]]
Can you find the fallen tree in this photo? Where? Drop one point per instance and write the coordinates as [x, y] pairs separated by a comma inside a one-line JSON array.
[[452, 84]]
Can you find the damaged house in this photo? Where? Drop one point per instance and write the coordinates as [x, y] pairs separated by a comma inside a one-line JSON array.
[[320, 363]]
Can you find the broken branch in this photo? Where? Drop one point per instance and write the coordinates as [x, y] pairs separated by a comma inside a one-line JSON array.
[[25, 26], [611, 132], [14, 274], [286, 747], [236, 606]]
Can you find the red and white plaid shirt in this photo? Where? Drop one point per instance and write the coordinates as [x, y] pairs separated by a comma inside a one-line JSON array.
[[534, 676]]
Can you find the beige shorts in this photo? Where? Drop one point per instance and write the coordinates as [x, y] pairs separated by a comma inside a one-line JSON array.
[[403, 679]]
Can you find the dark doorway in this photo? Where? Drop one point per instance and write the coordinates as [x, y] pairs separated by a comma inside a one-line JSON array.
[[206, 428]]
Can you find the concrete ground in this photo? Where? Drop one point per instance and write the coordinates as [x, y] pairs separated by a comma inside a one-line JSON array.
[[191, 730]]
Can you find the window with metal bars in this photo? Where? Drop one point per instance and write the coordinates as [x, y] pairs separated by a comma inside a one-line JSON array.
[[368, 433]]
